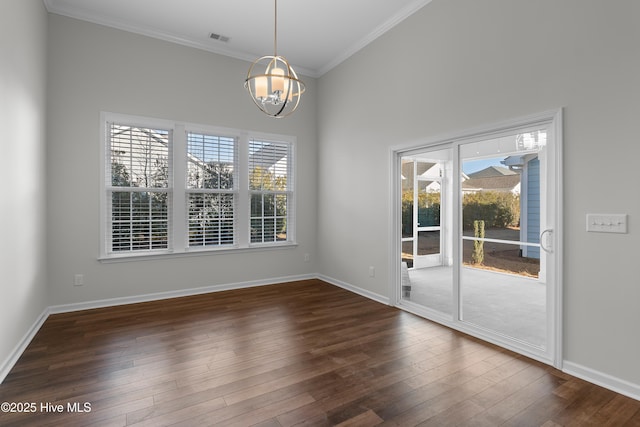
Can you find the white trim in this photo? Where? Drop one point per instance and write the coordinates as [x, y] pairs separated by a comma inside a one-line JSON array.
[[456, 230], [197, 252], [395, 215], [479, 133], [373, 35], [178, 222], [154, 33], [13, 357], [355, 289], [501, 241], [219, 49], [112, 302], [243, 227], [604, 380], [505, 342], [17, 352], [607, 381], [556, 128]]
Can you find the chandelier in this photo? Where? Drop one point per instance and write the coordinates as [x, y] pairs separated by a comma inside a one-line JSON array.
[[272, 83]]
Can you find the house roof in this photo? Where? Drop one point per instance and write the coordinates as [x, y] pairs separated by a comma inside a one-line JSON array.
[[493, 183], [492, 171]]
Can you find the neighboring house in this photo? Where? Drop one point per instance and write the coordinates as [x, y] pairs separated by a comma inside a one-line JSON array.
[[272, 157], [139, 156], [492, 172], [140, 150], [522, 177], [500, 184], [428, 175], [493, 178], [529, 167]]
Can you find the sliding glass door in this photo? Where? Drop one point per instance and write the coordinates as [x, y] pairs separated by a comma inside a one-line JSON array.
[[479, 224], [503, 288]]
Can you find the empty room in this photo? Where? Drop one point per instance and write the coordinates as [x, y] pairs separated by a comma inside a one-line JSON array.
[[276, 213]]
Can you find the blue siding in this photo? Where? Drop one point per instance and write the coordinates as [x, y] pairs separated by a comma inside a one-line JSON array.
[[533, 207]]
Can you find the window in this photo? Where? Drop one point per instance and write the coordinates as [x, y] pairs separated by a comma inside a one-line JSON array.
[[270, 190], [211, 187], [139, 191], [172, 188]]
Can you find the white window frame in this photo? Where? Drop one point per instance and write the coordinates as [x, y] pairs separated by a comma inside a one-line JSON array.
[[235, 191], [178, 214], [288, 191]]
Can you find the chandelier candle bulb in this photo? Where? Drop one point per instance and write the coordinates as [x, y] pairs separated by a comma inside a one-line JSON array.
[[261, 87], [277, 81]]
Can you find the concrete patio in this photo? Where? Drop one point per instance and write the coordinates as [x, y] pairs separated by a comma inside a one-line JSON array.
[[505, 303]]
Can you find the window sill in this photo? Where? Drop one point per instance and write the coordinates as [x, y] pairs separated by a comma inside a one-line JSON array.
[[108, 259]]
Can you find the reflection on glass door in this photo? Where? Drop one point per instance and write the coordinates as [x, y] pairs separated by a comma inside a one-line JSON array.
[[502, 279]]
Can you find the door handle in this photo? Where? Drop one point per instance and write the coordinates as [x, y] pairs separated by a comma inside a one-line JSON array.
[[549, 248]]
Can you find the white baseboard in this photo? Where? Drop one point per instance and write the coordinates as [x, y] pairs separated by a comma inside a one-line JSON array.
[[8, 364], [112, 302], [604, 380], [356, 290], [607, 381], [599, 378]]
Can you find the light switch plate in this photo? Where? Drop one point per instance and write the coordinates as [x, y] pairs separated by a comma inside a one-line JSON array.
[[607, 223]]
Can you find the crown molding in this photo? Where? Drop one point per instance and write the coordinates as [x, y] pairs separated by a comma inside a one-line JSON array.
[[160, 35], [61, 9], [376, 33]]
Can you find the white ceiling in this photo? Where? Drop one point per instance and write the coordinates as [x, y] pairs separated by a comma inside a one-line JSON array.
[[314, 36]]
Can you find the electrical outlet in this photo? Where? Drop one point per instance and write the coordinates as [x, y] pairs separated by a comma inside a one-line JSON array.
[[307, 257], [372, 271], [78, 280]]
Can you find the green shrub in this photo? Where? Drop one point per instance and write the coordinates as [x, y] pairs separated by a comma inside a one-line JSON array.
[[429, 212], [498, 210]]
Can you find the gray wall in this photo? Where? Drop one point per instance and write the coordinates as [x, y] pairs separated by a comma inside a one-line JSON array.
[[459, 64], [94, 68], [23, 292]]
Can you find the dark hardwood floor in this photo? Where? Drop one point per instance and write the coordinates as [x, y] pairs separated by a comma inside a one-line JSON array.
[[282, 355]]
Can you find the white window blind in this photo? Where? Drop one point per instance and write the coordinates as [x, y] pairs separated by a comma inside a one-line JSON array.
[[212, 189], [139, 188], [271, 191], [174, 188]]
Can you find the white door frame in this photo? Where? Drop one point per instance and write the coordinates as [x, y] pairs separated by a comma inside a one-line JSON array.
[[552, 120]]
